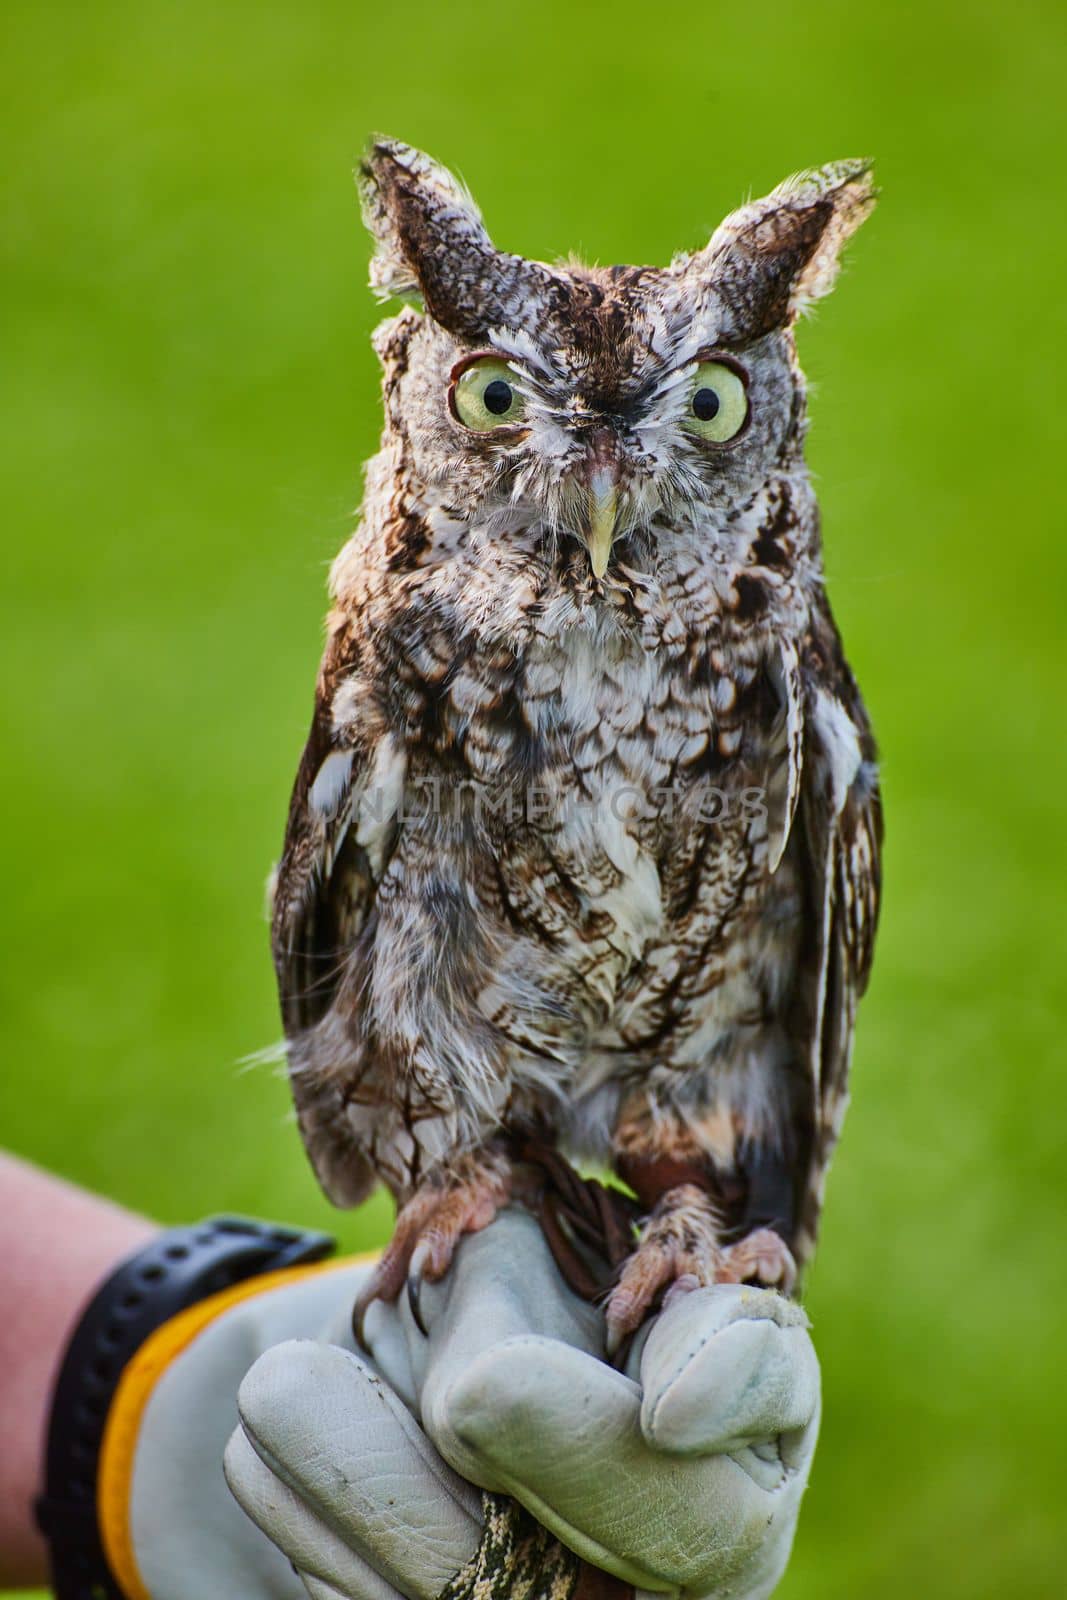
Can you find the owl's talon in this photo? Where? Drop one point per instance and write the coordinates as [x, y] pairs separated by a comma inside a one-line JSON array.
[[614, 1334], [414, 1287], [359, 1319]]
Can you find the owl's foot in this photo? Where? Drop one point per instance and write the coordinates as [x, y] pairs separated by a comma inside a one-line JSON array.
[[762, 1257], [429, 1227], [680, 1251], [680, 1245]]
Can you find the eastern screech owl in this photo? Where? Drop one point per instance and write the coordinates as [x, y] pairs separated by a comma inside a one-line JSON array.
[[585, 838]]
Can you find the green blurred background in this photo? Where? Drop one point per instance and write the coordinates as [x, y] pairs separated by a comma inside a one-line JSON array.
[[189, 393]]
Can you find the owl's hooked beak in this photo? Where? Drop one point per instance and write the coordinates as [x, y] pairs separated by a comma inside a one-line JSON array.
[[597, 497], [603, 509]]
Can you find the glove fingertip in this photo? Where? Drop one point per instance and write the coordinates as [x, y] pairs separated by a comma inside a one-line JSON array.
[[710, 1388]]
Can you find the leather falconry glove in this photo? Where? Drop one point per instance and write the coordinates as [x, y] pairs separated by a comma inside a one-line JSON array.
[[495, 1455]]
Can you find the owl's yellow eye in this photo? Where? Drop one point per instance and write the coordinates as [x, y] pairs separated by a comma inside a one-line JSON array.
[[718, 403], [484, 396]]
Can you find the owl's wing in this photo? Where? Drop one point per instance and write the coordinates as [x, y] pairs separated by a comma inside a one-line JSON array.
[[839, 818], [340, 834]]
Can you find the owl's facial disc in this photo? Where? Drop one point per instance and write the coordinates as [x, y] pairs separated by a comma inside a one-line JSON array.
[[593, 446]]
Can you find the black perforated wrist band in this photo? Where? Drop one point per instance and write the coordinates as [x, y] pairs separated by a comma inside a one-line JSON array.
[[179, 1268]]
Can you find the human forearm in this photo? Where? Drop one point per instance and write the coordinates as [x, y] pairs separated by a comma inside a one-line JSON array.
[[57, 1243]]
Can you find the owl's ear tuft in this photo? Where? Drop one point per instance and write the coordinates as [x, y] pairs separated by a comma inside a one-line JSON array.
[[432, 245], [417, 212], [774, 256]]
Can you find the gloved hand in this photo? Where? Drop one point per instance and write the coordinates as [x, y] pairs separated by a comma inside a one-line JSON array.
[[682, 1476]]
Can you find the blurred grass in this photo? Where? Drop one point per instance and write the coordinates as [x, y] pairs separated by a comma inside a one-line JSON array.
[[188, 395]]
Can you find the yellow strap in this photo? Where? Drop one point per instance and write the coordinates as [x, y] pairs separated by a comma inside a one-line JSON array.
[[139, 1378]]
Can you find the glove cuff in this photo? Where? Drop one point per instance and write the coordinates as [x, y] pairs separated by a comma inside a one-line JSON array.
[[150, 1308]]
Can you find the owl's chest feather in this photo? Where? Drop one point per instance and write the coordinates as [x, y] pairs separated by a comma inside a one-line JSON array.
[[646, 733], [649, 789]]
